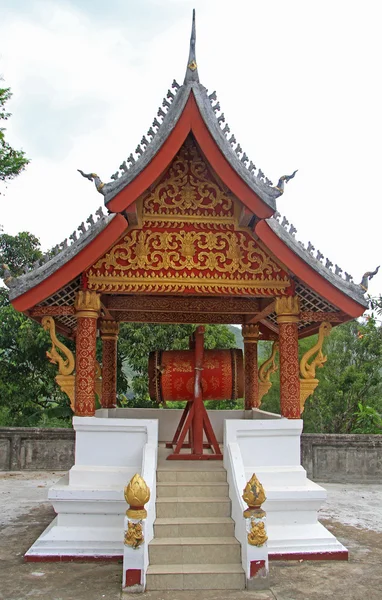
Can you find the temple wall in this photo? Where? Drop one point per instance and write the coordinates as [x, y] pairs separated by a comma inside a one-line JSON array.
[[326, 457]]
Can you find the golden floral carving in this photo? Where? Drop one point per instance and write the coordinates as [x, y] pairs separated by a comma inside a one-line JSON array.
[[250, 332], [204, 260], [254, 496], [137, 494], [66, 385], [187, 188], [287, 309], [134, 535], [257, 535], [87, 304], [109, 328]]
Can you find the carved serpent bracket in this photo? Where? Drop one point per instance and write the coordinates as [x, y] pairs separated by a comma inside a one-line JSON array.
[[65, 377], [265, 371], [308, 381]]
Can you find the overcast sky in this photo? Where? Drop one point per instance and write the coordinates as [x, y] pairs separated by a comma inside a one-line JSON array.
[[299, 82]]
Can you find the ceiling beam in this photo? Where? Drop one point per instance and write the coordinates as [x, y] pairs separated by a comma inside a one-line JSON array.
[[182, 304]]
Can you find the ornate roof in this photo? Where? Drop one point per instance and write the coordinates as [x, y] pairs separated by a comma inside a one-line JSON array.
[[164, 123], [321, 286]]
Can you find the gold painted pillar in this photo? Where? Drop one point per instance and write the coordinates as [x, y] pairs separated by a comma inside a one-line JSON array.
[[287, 310], [87, 307], [251, 336], [109, 335]]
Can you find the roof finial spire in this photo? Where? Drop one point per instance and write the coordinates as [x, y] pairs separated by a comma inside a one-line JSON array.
[[192, 67]]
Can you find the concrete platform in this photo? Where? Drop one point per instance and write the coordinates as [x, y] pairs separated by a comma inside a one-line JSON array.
[[353, 513]]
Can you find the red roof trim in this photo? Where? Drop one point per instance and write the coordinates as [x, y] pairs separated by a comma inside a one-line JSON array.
[[306, 273], [190, 120], [74, 267]]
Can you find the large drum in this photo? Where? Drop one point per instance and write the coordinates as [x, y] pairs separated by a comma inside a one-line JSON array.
[[171, 375]]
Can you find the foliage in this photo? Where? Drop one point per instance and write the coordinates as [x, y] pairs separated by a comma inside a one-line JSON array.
[[19, 251], [348, 398], [12, 161], [28, 391]]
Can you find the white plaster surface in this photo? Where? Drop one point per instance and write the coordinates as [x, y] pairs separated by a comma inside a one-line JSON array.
[[356, 505], [271, 449], [89, 500]]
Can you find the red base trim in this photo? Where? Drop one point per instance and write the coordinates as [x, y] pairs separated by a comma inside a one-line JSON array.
[[338, 555], [256, 566], [71, 558], [133, 577]]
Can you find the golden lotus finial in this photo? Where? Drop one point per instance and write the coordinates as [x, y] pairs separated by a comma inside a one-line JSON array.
[[137, 494], [254, 496]]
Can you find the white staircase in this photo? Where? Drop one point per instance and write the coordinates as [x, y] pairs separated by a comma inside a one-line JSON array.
[[194, 546]]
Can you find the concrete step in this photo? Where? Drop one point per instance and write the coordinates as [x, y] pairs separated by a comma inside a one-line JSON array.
[[192, 507], [195, 577], [167, 474], [200, 489], [194, 527], [218, 550]]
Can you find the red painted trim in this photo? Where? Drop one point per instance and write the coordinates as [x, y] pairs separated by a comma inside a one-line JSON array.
[[255, 566], [79, 263], [337, 555], [306, 273], [71, 558], [190, 120], [133, 577]]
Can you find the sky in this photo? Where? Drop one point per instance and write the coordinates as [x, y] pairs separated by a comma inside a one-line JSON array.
[[299, 83]]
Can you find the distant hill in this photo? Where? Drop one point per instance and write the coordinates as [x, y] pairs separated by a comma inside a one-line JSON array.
[[237, 333], [264, 348]]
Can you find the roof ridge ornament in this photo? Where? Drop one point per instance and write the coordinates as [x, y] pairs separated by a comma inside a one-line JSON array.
[[192, 67], [93, 177], [366, 278], [284, 179]]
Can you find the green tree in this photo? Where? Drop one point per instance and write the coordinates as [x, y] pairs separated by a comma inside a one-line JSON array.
[[19, 251], [28, 392], [348, 398], [12, 161]]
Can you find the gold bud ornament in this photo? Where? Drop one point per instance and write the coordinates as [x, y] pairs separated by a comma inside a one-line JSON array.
[[137, 494], [254, 496]]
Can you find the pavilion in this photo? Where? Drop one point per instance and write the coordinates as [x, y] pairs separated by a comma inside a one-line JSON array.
[[191, 234]]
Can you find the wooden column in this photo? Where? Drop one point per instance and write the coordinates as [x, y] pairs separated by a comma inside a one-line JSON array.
[[109, 335], [287, 310], [87, 307], [251, 382]]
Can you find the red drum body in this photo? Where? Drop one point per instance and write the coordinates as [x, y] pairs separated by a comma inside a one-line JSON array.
[[171, 375]]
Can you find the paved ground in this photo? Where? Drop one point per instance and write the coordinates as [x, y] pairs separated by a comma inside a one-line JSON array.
[[353, 513]]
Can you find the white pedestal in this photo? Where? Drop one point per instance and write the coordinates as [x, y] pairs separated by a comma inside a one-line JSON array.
[[89, 501], [271, 449]]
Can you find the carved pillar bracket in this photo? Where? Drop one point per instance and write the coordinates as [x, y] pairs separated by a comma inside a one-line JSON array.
[[308, 381], [265, 371], [287, 310], [87, 307], [65, 377], [251, 336], [109, 335]]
